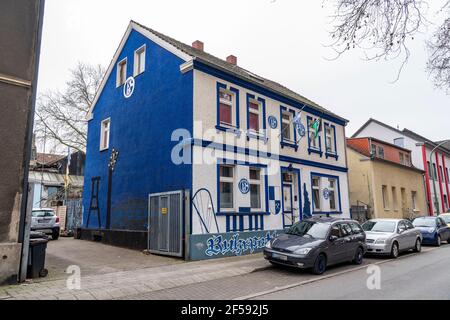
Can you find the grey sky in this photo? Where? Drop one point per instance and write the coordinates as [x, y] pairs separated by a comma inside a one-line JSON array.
[[282, 40]]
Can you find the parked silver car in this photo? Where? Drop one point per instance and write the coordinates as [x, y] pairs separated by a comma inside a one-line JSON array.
[[391, 236], [45, 221]]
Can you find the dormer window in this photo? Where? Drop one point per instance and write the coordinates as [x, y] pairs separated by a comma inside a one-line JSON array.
[[121, 72], [139, 61]]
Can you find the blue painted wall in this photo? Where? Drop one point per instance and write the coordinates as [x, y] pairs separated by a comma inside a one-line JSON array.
[[141, 129]]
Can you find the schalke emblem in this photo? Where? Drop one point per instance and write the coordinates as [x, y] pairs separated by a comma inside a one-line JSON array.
[[244, 186], [128, 88]]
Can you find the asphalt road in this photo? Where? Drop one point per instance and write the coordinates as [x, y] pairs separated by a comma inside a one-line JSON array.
[[422, 276], [412, 276]]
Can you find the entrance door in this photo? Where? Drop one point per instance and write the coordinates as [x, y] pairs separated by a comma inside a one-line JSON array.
[[165, 223], [288, 205]]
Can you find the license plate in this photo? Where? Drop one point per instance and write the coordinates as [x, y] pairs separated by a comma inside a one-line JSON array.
[[43, 221], [279, 256]]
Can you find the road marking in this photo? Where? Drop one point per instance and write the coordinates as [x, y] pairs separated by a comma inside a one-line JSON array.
[[336, 274]]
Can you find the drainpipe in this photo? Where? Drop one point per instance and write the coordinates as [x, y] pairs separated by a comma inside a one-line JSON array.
[[434, 178]]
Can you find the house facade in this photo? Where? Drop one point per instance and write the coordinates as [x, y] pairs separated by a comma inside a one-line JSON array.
[[202, 158], [431, 157], [383, 178]]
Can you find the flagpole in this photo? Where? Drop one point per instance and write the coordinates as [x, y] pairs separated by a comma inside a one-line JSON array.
[[292, 121]]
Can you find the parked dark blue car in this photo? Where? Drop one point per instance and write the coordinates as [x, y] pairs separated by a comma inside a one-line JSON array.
[[434, 230]]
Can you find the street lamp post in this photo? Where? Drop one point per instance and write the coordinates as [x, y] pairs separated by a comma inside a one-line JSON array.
[[436, 202]]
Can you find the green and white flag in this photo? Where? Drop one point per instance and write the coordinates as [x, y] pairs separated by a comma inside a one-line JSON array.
[[317, 127]]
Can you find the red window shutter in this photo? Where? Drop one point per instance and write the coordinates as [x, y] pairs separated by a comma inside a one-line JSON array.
[[225, 113], [254, 121]]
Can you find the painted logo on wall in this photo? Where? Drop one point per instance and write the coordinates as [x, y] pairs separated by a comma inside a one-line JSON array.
[[128, 88], [219, 245], [273, 122], [326, 194], [244, 186], [277, 207]]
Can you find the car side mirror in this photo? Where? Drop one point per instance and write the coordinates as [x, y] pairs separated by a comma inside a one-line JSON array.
[[333, 238], [401, 230]]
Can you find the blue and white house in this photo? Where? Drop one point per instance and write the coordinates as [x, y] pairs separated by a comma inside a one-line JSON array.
[[202, 158]]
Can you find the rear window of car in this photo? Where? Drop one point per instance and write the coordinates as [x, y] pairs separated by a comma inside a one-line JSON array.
[[379, 226], [42, 213], [424, 222]]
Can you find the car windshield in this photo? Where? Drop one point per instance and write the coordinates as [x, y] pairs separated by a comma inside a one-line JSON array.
[[42, 213], [424, 222], [309, 229], [379, 226], [446, 219]]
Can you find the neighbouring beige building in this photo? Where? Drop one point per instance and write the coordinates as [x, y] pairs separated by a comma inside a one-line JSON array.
[[383, 179]]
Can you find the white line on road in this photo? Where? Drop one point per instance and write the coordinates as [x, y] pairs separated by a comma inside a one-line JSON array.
[[302, 283]]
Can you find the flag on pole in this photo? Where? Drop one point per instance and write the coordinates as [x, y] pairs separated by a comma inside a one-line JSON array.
[[317, 127], [66, 178]]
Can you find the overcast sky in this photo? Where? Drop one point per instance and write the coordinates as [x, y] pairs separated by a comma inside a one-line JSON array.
[[282, 40]]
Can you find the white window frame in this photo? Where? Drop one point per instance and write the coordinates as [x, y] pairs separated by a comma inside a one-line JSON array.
[[119, 68], [102, 134], [333, 189], [318, 188], [232, 105], [259, 183], [257, 112], [138, 67], [228, 180], [314, 143], [331, 134], [289, 123]]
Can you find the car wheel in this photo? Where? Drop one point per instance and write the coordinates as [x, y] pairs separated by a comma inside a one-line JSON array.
[[55, 235], [395, 250], [438, 241], [320, 265], [418, 246], [359, 256]]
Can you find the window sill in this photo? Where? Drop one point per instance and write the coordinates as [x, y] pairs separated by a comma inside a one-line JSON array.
[[253, 213], [317, 151], [258, 136], [329, 212], [105, 149], [332, 155], [289, 145], [234, 130]]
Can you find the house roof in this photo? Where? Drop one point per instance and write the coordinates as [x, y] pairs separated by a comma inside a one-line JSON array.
[[48, 158], [406, 132], [209, 59]]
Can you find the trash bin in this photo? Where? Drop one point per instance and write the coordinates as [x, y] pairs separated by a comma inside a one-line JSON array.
[[36, 258]]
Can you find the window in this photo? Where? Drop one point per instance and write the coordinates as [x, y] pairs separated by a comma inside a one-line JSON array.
[[356, 229], [332, 194], [381, 152], [286, 125], [394, 198], [448, 177], [316, 193], [402, 158], [104, 134], [254, 116], [255, 188], [374, 150], [314, 142], [434, 172], [430, 173], [445, 203], [139, 61], [407, 160], [442, 172], [330, 139], [414, 200], [226, 107], [385, 197], [121, 72], [226, 187], [346, 229]]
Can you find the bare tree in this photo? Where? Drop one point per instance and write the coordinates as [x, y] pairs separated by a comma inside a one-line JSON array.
[[383, 28], [61, 116]]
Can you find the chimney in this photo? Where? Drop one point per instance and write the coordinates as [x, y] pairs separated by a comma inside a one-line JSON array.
[[232, 59], [198, 45]]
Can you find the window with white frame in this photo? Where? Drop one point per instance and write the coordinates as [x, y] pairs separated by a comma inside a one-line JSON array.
[[121, 72], [226, 107], [313, 140], [254, 114], [139, 60], [332, 194], [226, 187], [330, 139], [286, 125], [104, 134], [316, 194], [255, 189]]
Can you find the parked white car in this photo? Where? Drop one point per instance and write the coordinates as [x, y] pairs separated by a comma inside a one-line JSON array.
[[391, 236], [45, 220]]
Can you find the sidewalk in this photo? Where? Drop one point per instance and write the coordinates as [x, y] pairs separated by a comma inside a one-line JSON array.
[[128, 283]]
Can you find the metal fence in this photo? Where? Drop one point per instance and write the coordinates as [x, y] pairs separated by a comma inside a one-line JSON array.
[[74, 214]]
